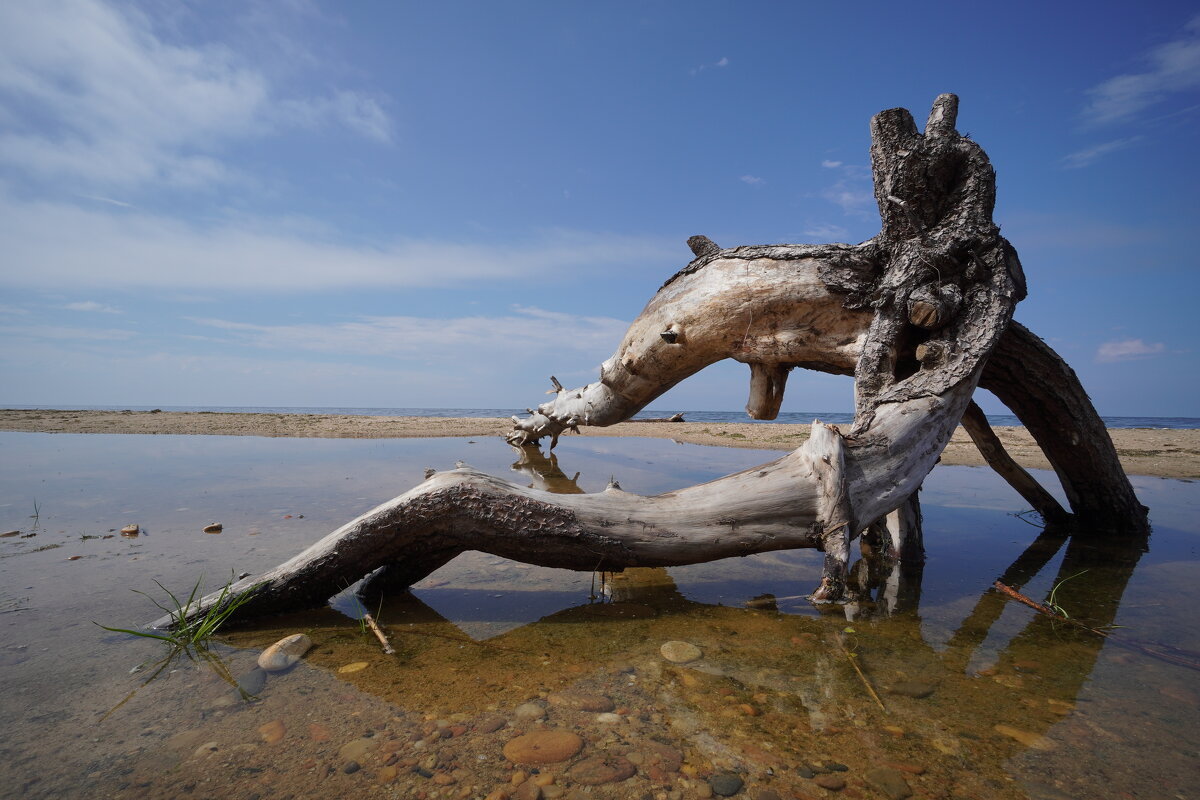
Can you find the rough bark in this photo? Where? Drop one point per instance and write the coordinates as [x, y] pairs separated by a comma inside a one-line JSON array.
[[1046, 395]]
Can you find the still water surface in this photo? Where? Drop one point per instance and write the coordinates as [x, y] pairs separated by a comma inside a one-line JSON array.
[[980, 697]]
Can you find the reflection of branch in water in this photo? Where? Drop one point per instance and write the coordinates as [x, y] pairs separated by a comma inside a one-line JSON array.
[[545, 471], [974, 629], [1164, 652]]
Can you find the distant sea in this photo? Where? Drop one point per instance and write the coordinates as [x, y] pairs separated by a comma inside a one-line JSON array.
[[835, 417]]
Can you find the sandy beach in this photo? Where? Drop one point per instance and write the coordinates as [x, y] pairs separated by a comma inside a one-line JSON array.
[[1167, 453]]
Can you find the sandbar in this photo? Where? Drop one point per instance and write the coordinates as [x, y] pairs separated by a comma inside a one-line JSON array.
[[1160, 452]]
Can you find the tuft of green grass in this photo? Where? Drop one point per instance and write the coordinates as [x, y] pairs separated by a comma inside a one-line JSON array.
[[190, 637], [1052, 601], [183, 631]]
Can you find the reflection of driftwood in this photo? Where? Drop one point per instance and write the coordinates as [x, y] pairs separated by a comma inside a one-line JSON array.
[[545, 471], [1163, 652], [672, 418]]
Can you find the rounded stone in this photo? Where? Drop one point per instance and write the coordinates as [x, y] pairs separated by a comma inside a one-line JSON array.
[[284, 653], [726, 784], [601, 768], [356, 666], [915, 689], [273, 731], [491, 724], [529, 712], [890, 782], [252, 683], [543, 747], [831, 782], [680, 652], [661, 756]]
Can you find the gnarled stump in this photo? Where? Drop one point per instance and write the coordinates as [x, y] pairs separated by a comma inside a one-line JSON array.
[[913, 313]]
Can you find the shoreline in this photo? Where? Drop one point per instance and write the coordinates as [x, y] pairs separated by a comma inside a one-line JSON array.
[[1158, 452]]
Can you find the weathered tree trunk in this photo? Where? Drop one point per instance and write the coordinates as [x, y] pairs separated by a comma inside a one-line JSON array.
[[913, 313], [1046, 395], [796, 501]]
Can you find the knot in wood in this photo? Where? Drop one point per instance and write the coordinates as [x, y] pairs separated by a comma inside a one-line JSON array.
[[933, 354], [702, 246]]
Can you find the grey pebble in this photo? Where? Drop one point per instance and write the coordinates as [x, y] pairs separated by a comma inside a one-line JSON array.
[[253, 681], [726, 784]]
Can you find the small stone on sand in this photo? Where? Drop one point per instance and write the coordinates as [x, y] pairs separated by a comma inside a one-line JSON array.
[[680, 652]]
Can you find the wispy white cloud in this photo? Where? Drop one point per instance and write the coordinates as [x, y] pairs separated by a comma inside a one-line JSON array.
[[138, 249], [527, 330], [357, 111], [752, 180], [92, 305], [852, 191], [7, 309], [117, 102], [109, 200], [64, 332], [1089, 155], [721, 62], [825, 232], [1128, 349], [1171, 68]]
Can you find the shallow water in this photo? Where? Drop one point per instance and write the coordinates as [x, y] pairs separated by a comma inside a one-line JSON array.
[[1015, 704]]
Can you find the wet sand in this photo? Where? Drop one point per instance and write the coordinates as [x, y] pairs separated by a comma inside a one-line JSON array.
[[1166, 453]]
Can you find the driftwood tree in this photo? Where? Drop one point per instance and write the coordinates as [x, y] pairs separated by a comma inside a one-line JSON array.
[[920, 315]]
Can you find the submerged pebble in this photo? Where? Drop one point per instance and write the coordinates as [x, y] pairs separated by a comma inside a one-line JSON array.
[[273, 731], [543, 747], [914, 689], [1031, 740], [889, 781], [253, 682], [601, 768], [584, 701], [356, 666], [529, 712], [680, 652], [285, 652], [726, 784]]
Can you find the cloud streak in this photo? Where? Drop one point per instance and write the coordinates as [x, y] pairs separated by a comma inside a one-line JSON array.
[[137, 249], [1088, 156], [527, 330], [1171, 68], [1128, 350], [117, 103], [92, 305]]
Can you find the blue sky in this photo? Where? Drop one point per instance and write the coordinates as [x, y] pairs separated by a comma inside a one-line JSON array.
[[441, 204]]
